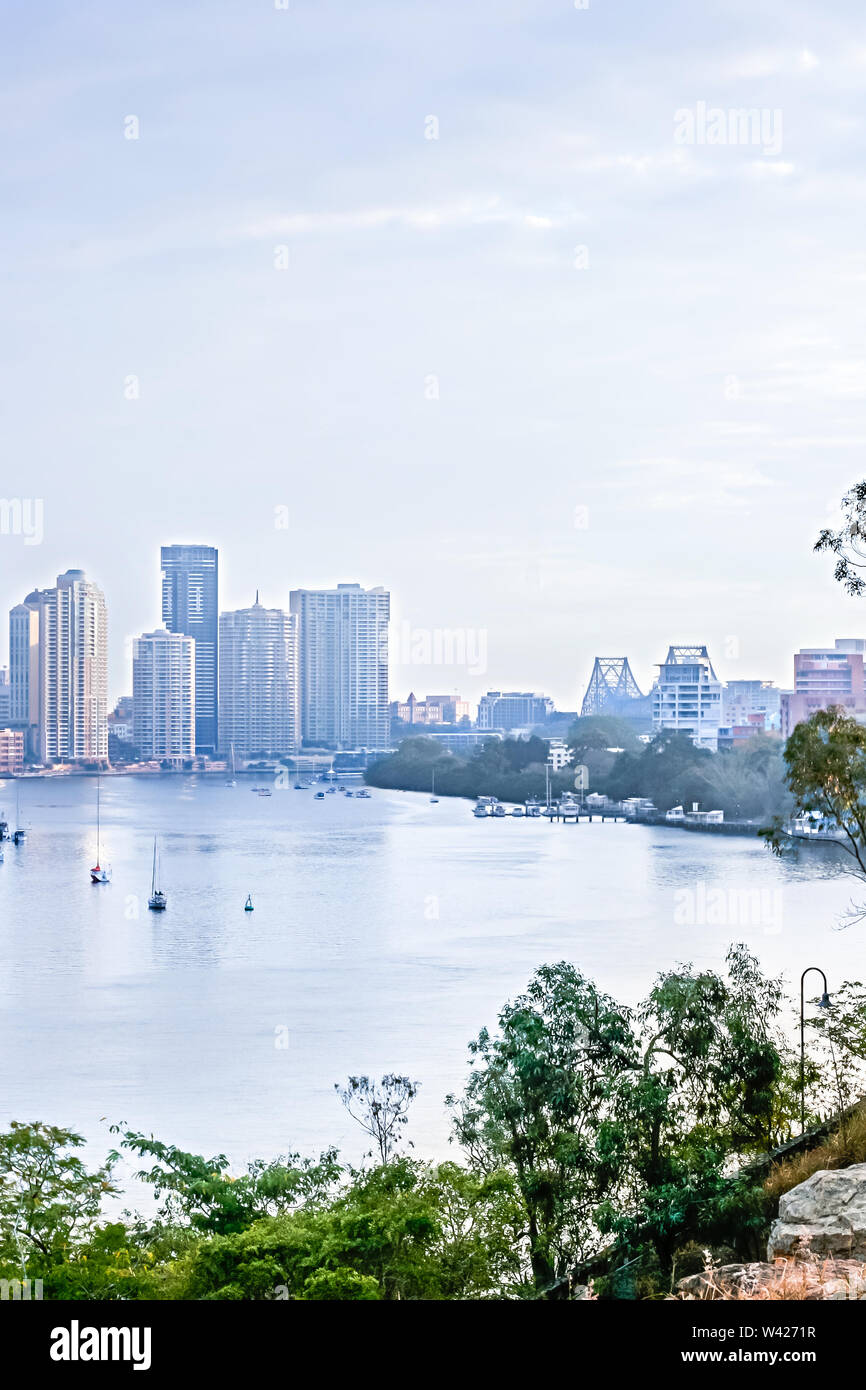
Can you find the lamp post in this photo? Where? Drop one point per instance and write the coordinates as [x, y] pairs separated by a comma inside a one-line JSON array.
[[823, 1003]]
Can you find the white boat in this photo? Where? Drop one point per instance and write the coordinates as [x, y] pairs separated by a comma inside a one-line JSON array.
[[157, 902], [518, 811], [98, 874], [19, 835], [498, 810], [480, 811]]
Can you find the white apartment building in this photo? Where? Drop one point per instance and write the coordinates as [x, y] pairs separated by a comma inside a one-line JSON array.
[[687, 696], [73, 671], [163, 696], [258, 681], [343, 645]]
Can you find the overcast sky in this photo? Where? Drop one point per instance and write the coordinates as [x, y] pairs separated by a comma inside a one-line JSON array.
[[556, 377]]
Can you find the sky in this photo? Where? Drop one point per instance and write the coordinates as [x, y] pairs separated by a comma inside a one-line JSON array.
[[448, 297]]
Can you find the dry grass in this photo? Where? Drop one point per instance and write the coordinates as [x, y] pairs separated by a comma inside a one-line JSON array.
[[807, 1279], [845, 1146]]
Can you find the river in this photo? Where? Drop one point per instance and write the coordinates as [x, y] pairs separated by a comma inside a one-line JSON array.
[[386, 933]]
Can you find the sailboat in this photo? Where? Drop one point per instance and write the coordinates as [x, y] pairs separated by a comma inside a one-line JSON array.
[[433, 797], [19, 834], [248, 905], [157, 902], [97, 873], [231, 781]]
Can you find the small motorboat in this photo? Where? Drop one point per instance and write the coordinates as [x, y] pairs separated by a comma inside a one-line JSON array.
[[518, 811], [480, 811], [248, 905], [320, 796], [498, 810], [299, 786], [265, 791]]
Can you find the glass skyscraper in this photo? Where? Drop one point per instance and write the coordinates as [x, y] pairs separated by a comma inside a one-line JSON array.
[[190, 604]]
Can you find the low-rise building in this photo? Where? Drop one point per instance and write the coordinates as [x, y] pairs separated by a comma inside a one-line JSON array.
[[11, 752], [511, 708]]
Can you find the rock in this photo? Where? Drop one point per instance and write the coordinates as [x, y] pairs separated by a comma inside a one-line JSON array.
[[809, 1281], [823, 1216]]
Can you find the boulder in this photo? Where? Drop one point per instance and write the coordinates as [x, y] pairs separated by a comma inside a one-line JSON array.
[[823, 1216]]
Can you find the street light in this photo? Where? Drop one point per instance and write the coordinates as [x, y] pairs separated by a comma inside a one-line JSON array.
[[823, 1003]]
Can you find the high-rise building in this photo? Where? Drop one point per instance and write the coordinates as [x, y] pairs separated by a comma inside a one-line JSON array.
[[687, 696], [190, 604], [73, 680], [24, 669], [163, 695], [259, 681], [512, 709], [5, 698], [343, 644], [825, 676]]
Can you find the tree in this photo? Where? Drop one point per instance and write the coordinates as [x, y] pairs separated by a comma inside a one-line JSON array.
[[202, 1192], [380, 1108], [848, 543], [536, 1103], [825, 761], [402, 1230], [50, 1203]]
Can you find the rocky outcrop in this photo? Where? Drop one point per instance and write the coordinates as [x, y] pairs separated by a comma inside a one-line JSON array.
[[823, 1216], [810, 1281]]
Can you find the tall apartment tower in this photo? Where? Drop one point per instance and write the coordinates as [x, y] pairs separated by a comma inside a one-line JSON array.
[[258, 681], [73, 671], [343, 643], [190, 604], [687, 697], [163, 695], [24, 669]]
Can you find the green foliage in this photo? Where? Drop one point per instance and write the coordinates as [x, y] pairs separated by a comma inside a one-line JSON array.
[[536, 1105], [848, 543], [511, 769], [403, 1230], [825, 761], [202, 1192], [49, 1201]]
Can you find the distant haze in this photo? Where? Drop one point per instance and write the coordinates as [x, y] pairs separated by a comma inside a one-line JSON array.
[[469, 300]]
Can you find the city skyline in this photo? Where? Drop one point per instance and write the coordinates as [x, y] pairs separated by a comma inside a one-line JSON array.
[[440, 641], [447, 363]]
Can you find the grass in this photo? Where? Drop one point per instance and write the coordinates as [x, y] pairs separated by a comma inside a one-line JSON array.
[[845, 1146]]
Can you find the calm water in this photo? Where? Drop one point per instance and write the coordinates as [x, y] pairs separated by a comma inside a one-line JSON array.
[[385, 934]]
